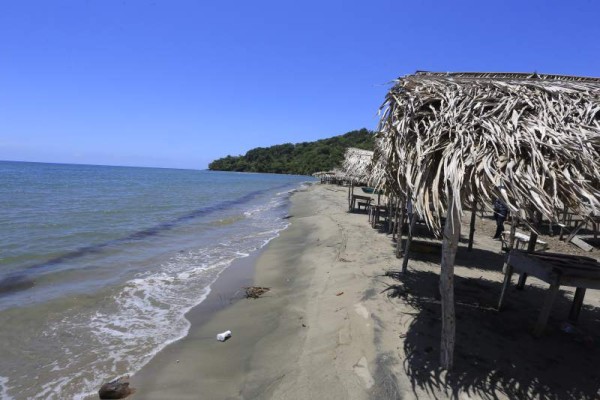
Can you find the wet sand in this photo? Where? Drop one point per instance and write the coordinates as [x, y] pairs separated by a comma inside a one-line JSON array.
[[334, 327]]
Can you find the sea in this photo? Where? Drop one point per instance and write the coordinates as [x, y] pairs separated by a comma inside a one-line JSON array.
[[100, 264]]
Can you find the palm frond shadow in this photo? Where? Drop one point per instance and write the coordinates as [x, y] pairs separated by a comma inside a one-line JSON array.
[[428, 251], [495, 354]]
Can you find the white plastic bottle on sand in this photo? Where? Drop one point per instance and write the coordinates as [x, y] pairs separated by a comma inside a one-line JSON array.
[[221, 337]]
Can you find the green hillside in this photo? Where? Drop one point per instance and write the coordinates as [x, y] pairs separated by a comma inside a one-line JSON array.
[[301, 158]]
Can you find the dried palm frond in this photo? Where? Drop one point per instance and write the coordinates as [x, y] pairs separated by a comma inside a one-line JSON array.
[[356, 164], [532, 140]]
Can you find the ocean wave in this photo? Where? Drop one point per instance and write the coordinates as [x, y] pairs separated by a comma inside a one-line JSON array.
[[4, 389], [130, 326]]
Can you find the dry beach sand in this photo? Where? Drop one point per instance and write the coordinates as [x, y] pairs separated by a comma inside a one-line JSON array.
[[334, 327]]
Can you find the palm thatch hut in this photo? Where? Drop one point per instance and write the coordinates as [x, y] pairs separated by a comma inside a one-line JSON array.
[[356, 167], [450, 140], [357, 164]]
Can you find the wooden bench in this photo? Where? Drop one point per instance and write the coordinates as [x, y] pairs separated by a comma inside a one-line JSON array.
[[357, 201], [557, 270]]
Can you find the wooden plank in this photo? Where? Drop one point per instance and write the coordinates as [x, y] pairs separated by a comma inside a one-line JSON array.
[[529, 265], [581, 244]]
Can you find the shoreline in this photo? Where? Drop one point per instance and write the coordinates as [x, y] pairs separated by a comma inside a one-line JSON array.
[[335, 326], [225, 293], [310, 336]]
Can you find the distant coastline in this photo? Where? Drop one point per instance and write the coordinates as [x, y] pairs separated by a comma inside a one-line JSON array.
[[297, 159]]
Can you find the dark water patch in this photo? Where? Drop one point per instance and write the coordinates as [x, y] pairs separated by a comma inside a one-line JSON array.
[[23, 280], [15, 283]]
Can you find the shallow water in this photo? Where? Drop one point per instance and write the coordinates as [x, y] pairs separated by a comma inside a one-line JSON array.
[[98, 265]]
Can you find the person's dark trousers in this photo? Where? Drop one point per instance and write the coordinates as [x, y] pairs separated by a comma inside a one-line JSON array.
[[499, 226]]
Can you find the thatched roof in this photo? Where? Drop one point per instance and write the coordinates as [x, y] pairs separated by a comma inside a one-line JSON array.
[[357, 164], [532, 139]]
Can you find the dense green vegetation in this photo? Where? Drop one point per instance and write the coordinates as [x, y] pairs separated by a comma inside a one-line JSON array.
[[301, 158]]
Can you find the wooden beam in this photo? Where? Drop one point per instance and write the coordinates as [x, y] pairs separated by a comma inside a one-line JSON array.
[[577, 241]]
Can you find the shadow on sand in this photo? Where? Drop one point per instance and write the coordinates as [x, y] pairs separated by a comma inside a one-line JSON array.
[[495, 354]]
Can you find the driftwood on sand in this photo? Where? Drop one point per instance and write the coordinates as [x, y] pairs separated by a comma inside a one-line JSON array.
[[116, 389], [254, 292]]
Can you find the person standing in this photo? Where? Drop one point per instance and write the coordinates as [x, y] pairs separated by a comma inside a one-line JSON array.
[[500, 215]]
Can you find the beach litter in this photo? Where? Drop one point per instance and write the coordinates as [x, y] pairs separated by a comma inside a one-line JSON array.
[[116, 389], [340, 293], [221, 337], [254, 292]]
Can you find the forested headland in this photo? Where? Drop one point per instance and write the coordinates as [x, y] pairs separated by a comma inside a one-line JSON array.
[[300, 158]]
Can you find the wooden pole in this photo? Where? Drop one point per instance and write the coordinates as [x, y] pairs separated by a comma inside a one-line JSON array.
[[350, 193], [530, 249], [449, 248], [399, 248], [472, 226], [390, 224], [507, 269], [411, 228], [396, 207], [577, 304], [564, 222]]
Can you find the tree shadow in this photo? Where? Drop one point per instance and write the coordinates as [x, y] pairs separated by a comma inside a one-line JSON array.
[[495, 353]]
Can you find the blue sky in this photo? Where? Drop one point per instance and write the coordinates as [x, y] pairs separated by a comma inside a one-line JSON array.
[[179, 83]]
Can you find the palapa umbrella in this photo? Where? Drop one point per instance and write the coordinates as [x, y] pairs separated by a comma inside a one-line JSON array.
[[447, 140]]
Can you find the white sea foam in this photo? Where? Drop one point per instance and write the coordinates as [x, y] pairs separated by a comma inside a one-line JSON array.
[[4, 389], [148, 313]]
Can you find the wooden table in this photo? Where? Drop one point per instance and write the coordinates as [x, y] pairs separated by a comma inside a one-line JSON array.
[[521, 241], [365, 199], [557, 270]]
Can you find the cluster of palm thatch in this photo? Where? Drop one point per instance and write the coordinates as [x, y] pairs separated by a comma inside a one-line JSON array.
[[447, 140], [532, 140], [357, 164]]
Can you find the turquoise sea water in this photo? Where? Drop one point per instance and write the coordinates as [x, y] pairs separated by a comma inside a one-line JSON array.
[[98, 265]]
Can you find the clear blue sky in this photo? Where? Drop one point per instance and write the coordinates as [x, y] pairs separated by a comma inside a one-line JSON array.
[[179, 83]]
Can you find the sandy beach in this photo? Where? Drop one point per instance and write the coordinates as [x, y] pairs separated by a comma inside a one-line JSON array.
[[334, 326]]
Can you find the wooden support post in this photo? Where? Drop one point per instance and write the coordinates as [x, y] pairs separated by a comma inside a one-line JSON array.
[[390, 224], [508, 271], [532, 241], [472, 226], [411, 228], [522, 281], [506, 268], [395, 231], [547, 307], [399, 247], [577, 304], [530, 249], [449, 248], [564, 222], [350, 197], [513, 231]]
